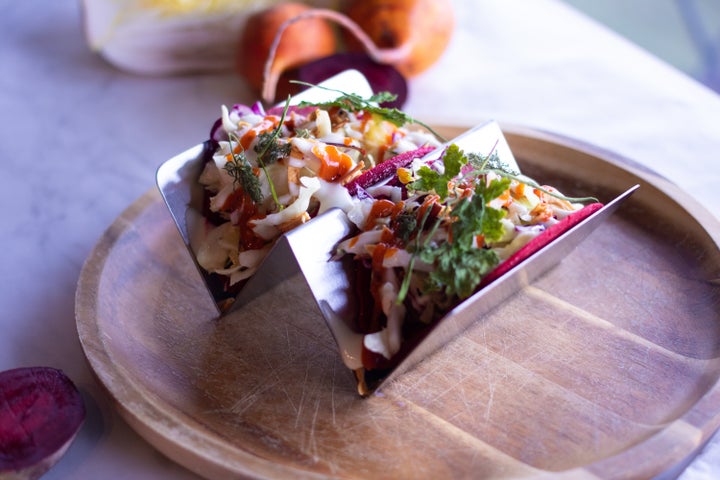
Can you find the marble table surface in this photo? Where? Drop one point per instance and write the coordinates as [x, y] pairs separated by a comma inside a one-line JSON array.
[[80, 140]]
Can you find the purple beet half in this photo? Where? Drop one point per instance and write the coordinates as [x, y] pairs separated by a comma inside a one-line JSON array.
[[381, 77], [41, 412]]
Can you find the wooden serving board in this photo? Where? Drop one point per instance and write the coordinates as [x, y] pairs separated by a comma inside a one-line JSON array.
[[607, 367]]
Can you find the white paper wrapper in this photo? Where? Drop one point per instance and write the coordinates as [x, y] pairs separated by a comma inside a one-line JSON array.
[[169, 37]]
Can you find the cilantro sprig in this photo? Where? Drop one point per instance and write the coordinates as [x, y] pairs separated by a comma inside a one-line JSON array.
[[434, 181], [459, 264]]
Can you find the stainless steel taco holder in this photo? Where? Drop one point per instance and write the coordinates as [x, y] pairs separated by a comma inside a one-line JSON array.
[[307, 250]]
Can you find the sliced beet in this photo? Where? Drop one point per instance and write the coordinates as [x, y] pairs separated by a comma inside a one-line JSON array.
[[385, 170], [41, 412], [381, 77], [540, 241]]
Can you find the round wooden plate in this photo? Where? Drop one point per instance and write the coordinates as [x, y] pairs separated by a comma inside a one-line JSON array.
[[608, 366]]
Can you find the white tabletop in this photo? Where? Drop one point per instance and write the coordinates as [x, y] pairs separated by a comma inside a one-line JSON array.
[[80, 141]]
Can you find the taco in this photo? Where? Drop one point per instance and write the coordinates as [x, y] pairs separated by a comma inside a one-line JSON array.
[[434, 236], [266, 172]]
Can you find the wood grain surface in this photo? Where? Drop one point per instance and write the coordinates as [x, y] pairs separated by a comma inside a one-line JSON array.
[[606, 367]]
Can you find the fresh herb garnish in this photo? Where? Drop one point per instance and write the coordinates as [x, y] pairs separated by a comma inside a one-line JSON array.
[[458, 270], [533, 184], [406, 225], [418, 244], [460, 263], [242, 172], [484, 164], [270, 150], [353, 102], [433, 181], [472, 216], [491, 162]]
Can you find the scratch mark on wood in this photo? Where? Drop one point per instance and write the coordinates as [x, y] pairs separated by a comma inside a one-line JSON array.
[[490, 398], [602, 323], [472, 441]]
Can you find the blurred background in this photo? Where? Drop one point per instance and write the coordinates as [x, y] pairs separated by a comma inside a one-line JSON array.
[[684, 33]]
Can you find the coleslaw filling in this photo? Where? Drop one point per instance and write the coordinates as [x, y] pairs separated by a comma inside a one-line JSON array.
[[324, 150], [393, 253]]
